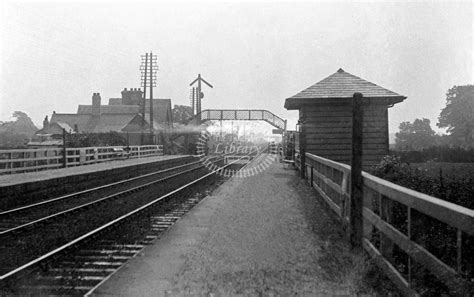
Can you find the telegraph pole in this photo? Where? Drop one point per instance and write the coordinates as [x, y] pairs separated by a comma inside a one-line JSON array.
[[64, 149], [149, 65], [151, 99], [199, 94], [143, 107], [197, 100], [192, 99]]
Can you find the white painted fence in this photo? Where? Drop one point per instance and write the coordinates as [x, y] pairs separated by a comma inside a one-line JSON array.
[[26, 160], [332, 180]]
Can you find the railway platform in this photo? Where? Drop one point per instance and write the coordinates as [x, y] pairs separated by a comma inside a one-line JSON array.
[[27, 177], [23, 188], [266, 235]]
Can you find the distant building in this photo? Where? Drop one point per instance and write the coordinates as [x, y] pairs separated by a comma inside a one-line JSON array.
[[127, 115], [325, 113], [51, 135]]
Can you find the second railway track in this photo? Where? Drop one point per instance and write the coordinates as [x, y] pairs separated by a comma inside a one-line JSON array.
[[59, 235], [15, 218]]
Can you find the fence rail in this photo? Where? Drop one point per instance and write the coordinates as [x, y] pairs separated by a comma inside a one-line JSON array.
[[27, 160], [386, 236]]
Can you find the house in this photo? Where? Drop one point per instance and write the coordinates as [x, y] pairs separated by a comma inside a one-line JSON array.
[[51, 135], [129, 115], [325, 114]]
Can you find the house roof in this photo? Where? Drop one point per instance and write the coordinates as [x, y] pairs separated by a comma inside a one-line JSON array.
[[65, 126], [103, 123], [116, 117], [115, 101], [112, 122], [341, 85], [160, 109], [109, 109], [81, 120], [135, 124]]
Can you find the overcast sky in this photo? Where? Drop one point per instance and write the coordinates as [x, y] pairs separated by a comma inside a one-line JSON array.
[[54, 56]]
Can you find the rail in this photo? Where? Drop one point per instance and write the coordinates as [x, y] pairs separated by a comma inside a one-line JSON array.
[[17, 272], [27, 160], [384, 236]]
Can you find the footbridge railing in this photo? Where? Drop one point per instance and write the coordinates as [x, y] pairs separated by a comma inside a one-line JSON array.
[[413, 237], [242, 114]]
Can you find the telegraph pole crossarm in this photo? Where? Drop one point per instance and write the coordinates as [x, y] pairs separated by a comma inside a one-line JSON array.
[[199, 94], [143, 107]]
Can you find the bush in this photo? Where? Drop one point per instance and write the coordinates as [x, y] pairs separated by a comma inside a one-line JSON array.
[[452, 188], [438, 154], [95, 139], [436, 236]]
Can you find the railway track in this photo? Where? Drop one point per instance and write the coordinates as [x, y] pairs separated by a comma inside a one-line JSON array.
[[80, 263], [18, 219]]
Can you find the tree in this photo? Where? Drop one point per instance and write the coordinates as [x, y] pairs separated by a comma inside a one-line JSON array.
[[182, 114], [415, 136], [458, 115], [15, 134]]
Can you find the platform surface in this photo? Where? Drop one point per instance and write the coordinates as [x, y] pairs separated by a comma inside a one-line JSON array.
[[267, 235], [19, 178]]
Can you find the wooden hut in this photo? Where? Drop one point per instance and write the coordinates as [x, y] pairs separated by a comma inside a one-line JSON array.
[[326, 117]]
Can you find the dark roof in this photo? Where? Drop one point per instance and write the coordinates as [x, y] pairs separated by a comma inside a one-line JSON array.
[[112, 122], [341, 85], [96, 124], [117, 117], [160, 109], [81, 120], [115, 101], [55, 128], [136, 124], [109, 109]]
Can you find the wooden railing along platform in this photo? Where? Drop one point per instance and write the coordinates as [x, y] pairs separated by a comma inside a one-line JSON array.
[[27, 160], [383, 237]]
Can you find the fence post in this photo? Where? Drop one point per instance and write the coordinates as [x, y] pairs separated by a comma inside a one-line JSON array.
[[64, 149], [303, 149], [357, 183]]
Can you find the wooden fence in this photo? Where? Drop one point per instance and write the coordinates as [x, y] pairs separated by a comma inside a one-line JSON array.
[[27, 160], [389, 238]]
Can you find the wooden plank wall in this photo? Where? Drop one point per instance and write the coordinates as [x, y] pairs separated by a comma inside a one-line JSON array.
[[329, 132]]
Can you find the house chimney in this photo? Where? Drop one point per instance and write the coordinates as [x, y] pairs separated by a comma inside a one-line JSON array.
[[126, 97], [46, 123], [136, 97], [96, 104]]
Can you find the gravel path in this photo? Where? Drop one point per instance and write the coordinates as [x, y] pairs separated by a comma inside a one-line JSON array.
[[262, 236]]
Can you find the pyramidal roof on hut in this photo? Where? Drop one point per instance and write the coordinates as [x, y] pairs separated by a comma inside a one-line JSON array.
[[341, 85]]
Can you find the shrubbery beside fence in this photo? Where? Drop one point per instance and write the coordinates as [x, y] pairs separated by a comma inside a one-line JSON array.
[[438, 154]]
